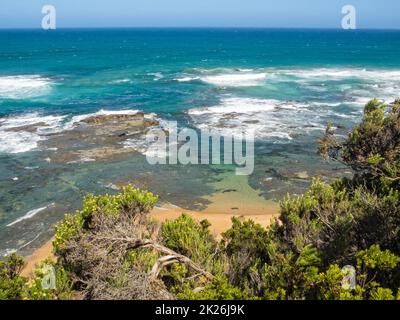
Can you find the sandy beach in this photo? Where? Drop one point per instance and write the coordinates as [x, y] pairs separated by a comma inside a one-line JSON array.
[[219, 213]]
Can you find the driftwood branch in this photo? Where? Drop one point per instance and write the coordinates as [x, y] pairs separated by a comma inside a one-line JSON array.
[[170, 255]]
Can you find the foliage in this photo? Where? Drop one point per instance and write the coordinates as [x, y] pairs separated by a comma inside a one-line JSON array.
[[96, 247], [11, 283], [218, 289], [130, 200], [36, 290], [372, 148], [186, 236]]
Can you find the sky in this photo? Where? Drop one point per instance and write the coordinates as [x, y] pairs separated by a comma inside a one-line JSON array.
[[371, 14]]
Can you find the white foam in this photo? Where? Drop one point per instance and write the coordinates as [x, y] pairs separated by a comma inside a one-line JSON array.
[[121, 81], [236, 79], [371, 83], [18, 142], [245, 70], [7, 252], [157, 75], [15, 139], [365, 84], [268, 119], [109, 186], [237, 105], [23, 86], [30, 214], [187, 79], [82, 160], [326, 104], [342, 73]]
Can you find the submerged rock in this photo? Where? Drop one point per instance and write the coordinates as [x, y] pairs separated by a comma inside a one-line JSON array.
[[301, 175], [99, 137], [130, 120], [90, 155], [31, 128]]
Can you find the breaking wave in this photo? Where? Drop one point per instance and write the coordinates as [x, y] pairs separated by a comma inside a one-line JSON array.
[[30, 214], [23, 86], [268, 119]]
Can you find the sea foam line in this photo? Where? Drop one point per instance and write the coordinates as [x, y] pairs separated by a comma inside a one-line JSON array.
[[236, 80], [31, 214], [14, 138], [23, 86]]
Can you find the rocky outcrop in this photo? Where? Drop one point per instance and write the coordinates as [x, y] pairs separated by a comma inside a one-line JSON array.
[[130, 120], [100, 137]]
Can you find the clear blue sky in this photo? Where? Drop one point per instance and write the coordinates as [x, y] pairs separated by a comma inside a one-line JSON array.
[[200, 13]]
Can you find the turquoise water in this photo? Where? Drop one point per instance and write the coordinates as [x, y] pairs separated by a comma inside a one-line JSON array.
[[292, 82]]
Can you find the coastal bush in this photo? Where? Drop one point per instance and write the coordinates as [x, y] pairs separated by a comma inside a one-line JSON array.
[[101, 267], [371, 263], [36, 290], [131, 201], [246, 246], [372, 147], [192, 239], [11, 283], [218, 289]]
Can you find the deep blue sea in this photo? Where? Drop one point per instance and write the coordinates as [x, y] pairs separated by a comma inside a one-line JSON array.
[[284, 84]]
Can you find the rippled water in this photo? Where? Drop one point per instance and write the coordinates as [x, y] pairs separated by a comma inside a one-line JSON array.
[[286, 85]]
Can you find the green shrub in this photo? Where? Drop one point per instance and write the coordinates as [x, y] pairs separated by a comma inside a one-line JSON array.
[[11, 283], [36, 287], [130, 200], [218, 289], [187, 237]]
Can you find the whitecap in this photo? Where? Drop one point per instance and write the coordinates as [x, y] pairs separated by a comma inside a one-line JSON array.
[[236, 79], [23, 86], [121, 81], [18, 142], [157, 75], [109, 186], [29, 119], [268, 119], [187, 79], [237, 105], [342, 73], [15, 138]]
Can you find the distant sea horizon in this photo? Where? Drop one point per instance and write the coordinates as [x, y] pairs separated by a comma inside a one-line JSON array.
[[202, 27]]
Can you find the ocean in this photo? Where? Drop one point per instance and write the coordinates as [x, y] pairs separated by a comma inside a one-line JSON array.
[[285, 84]]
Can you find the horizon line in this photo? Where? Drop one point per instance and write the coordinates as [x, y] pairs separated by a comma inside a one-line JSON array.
[[203, 27]]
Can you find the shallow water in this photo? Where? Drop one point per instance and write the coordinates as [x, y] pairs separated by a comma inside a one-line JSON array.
[[286, 85]]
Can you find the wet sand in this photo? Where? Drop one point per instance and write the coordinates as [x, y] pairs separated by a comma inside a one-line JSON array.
[[45, 251]]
